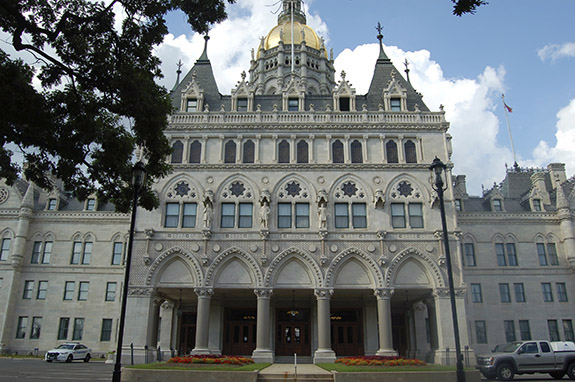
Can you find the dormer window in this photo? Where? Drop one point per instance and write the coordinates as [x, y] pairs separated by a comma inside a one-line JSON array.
[[537, 205], [458, 206], [91, 204], [344, 104], [191, 105], [52, 204], [395, 104], [497, 205], [293, 104], [242, 104]]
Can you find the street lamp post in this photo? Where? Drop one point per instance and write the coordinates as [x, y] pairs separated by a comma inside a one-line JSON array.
[[138, 178], [438, 185]]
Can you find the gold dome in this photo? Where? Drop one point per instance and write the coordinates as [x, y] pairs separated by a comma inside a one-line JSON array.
[[283, 33]]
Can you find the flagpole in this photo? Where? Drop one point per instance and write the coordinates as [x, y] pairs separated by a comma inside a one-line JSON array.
[[509, 130], [292, 40]]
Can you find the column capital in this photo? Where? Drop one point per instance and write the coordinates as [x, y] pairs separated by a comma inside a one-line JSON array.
[[204, 292], [168, 305], [444, 292], [383, 293], [323, 293], [263, 292], [158, 300]]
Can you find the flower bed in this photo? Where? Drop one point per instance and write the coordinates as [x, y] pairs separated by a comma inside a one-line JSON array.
[[212, 359], [375, 360]]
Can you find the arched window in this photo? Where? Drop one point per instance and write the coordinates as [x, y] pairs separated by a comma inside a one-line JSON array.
[[283, 152], [249, 152], [230, 152], [195, 152], [177, 152], [391, 152], [337, 152], [410, 154], [356, 152], [302, 152]]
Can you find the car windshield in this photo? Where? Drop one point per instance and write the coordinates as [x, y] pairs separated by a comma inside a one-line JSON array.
[[66, 346], [507, 348]]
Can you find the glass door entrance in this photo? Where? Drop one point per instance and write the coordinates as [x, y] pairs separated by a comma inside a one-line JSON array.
[[293, 333], [239, 332]]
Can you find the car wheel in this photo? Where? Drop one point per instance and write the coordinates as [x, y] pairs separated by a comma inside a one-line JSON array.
[[70, 358], [505, 372], [571, 370], [557, 374], [87, 358]]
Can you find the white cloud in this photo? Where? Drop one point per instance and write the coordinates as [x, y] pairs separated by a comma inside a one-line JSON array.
[[556, 51], [563, 150]]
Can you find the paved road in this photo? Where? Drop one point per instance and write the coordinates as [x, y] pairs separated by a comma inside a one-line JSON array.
[[31, 370]]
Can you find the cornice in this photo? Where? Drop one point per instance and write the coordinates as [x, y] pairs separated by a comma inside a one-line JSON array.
[[517, 271], [507, 218], [283, 167]]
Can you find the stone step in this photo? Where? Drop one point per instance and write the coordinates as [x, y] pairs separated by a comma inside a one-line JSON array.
[[293, 378], [290, 359]]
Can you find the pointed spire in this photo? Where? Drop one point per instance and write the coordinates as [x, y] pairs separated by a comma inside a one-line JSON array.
[[406, 63], [178, 72], [204, 56], [382, 56], [28, 200]]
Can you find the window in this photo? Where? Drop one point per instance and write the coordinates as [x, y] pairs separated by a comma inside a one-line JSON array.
[[481, 332], [191, 105], [249, 152], [568, 330], [519, 292], [547, 292], [415, 215], [244, 219], [106, 333], [195, 152], [509, 330], [547, 254], [117, 253], [553, 330], [230, 152], [177, 152], [391, 152], [356, 152], [458, 206], [69, 290], [395, 104], [41, 253], [42, 290], [5, 249], [82, 252], [561, 292], [283, 152], [83, 290], [497, 206], [469, 250], [358, 215], [78, 329], [21, 328], [111, 291], [188, 218], [344, 104], [91, 204], [506, 254], [302, 152], [476, 293], [36, 328], [537, 205], [337, 151], [524, 330], [299, 210], [189, 213], [51, 206], [398, 216], [504, 293], [63, 328], [172, 215], [410, 153], [293, 104], [242, 104], [28, 289]]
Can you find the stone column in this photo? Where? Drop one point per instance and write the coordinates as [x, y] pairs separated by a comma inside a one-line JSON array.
[[324, 353], [154, 321], [165, 339], [203, 320], [263, 351], [383, 296]]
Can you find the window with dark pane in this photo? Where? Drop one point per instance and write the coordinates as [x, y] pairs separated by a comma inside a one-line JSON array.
[[230, 152], [398, 215], [341, 215], [344, 104], [172, 215], [191, 105], [356, 152], [242, 104], [249, 151], [245, 215], [189, 213], [391, 152], [395, 104], [337, 152], [302, 152], [410, 154], [284, 215], [302, 215], [359, 215], [177, 152], [283, 152], [228, 215], [415, 215], [195, 152], [293, 104]]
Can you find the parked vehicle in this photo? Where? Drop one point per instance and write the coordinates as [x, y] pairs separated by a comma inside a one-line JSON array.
[[68, 352], [529, 357]]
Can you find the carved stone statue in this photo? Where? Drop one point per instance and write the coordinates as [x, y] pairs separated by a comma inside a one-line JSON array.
[[208, 215], [322, 213], [264, 216]]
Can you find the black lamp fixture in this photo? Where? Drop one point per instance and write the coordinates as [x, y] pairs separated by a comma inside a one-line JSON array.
[[179, 312], [437, 168], [293, 312], [138, 180]]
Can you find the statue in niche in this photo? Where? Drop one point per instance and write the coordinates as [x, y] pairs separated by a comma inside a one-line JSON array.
[[322, 213], [264, 215], [208, 215]]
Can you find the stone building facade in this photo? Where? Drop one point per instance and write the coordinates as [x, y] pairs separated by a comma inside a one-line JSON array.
[[299, 218]]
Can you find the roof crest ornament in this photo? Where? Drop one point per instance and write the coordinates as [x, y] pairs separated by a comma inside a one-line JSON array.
[[382, 55]]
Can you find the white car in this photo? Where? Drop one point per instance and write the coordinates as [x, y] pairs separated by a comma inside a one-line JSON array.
[[68, 352]]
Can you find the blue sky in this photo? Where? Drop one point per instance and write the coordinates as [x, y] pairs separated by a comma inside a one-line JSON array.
[[523, 49]]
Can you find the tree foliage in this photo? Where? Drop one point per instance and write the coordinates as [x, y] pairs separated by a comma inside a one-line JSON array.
[[97, 98], [466, 6]]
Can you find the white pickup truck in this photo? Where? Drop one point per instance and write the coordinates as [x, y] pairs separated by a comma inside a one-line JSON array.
[[529, 357]]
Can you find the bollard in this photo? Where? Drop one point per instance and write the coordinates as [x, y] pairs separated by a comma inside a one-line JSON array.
[[159, 354], [132, 353], [467, 363], [173, 352], [145, 353], [447, 360], [35, 352]]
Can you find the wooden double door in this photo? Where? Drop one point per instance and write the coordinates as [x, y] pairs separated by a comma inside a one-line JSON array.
[[347, 332], [293, 335], [187, 333], [239, 332]]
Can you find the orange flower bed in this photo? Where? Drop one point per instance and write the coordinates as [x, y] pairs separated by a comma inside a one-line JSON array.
[[212, 360], [379, 361]]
